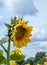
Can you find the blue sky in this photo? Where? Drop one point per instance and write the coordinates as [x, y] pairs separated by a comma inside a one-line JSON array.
[[33, 11]]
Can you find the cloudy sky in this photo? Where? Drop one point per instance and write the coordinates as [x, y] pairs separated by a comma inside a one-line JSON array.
[[33, 11]]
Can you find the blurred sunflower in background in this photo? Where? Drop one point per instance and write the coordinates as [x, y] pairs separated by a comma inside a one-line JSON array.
[[12, 63], [28, 64], [21, 34], [17, 51]]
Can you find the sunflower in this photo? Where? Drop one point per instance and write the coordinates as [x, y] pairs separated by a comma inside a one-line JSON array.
[[45, 63], [17, 51], [38, 64], [27, 64], [21, 34], [12, 63]]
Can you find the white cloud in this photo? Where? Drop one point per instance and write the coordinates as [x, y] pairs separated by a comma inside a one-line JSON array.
[[43, 44], [20, 7], [1, 17], [39, 40], [3, 31], [39, 35], [8, 4]]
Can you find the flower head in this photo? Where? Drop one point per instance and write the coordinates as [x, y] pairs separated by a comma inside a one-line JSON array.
[[38, 64], [21, 33], [17, 51], [12, 63], [28, 64], [45, 63]]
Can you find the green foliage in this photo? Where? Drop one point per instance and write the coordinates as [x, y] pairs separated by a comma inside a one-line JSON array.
[[29, 60], [17, 57], [26, 22], [1, 52], [2, 59], [7, 25], [21, 18], [39, 58], [13, 21], [10, 26]]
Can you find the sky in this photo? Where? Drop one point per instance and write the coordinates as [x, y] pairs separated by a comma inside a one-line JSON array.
[[33, 11]]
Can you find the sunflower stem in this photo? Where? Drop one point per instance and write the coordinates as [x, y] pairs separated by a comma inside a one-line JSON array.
[[8, 52]]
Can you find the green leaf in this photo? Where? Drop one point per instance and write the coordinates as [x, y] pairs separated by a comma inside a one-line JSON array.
[[17, 57], [7, 25], [21, 18], [1, 52], [15, 18], [12, 22], [2, 60]]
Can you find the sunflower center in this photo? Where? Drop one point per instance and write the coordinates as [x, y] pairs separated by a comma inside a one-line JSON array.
[[20, 32]]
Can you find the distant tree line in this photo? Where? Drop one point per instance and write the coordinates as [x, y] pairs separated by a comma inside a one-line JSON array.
[[40, 57]]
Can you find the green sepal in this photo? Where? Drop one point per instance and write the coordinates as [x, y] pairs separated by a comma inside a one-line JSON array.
[[26, 22], [15, 18], [21, 18], [13, 21], [17, 57], [7, 25]]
